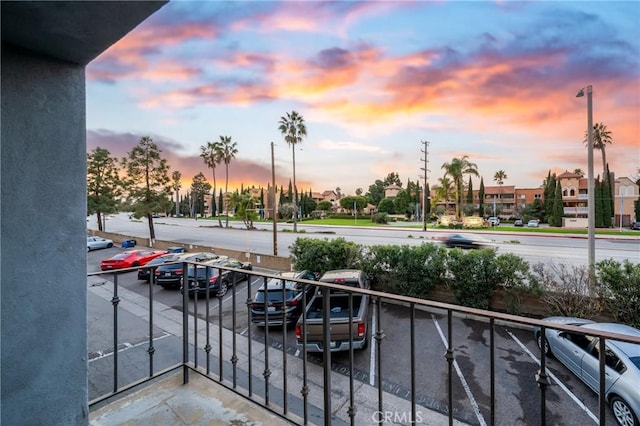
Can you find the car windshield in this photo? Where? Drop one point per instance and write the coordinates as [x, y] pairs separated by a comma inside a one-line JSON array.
[[120, 256], [274, 295]]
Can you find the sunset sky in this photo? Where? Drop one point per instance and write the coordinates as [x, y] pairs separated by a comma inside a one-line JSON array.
[[495, 81]]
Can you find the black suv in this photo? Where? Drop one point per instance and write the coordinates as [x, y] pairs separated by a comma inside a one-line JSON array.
[[215, 279], [170, 275], [270, 298]]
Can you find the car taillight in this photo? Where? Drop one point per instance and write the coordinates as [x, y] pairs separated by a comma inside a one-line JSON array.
[[213, 279], [293, 302], [361, 329], [157, 272], [298, 331], [178, 271]]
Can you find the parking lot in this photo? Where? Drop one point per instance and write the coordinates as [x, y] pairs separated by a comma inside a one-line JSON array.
[[517, 400]]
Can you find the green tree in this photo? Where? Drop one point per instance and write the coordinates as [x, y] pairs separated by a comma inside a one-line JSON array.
[[558, 206], [456, 170], [549, 185], [293, 129], [348, 202], [227, 151], [392, 179], [175, 185], [444, 190], [470, 192], [244, 207], [499, 177], [324, 206], [210, 154], [427, 207], [481, 197], [402, 203], [636, 209], [599, 210], [199, 187], [601, 138], [147, 181], [103, 184], [386, 206], [376, 192]]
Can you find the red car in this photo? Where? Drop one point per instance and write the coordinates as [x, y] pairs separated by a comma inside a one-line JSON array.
[[130, 259]]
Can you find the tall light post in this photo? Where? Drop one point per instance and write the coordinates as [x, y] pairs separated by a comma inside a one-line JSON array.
[[591, 207]]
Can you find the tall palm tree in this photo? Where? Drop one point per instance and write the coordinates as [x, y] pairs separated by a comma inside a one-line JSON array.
[[444, 190], [499, 177], [227, 151], [456, 169], [601, 137], [293, 129], [210, 155]]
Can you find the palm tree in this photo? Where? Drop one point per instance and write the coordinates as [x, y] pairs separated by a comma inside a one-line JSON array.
[[226, 152], [293, 129], [210, 155], [578, 172], [499, 177], [601, 137], [444, 191], [456, 169]]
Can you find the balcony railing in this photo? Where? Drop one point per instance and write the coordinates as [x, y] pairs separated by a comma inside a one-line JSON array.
[[255, 366]]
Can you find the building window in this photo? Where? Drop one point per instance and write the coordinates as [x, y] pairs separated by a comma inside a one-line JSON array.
[[564, 192], [572, 193]]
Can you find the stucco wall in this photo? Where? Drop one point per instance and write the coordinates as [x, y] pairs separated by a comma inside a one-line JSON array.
[[43, 258]]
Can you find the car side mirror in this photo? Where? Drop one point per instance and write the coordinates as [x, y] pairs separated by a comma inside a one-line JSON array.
[[562, 334]]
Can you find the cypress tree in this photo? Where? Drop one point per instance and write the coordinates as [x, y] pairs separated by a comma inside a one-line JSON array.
[[221, 202], [290, 193], [549, 195], [558, 206], [481, 197], [606, 205], [599, 221], [470, 192]]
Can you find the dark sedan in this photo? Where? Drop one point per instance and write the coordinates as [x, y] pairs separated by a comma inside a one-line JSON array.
[[271, 298], [144, 274], [216, 280], [468, 241], [170, 275]]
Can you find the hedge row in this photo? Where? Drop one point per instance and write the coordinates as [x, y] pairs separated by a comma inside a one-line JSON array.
[[474, 276]]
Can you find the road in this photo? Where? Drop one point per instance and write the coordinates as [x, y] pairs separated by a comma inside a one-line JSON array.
[[534, 248], [517, 394]]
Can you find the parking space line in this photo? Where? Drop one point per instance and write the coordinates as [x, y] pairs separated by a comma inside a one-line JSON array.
[[465, 385], [553, 376], [127, 346], [372, 358]]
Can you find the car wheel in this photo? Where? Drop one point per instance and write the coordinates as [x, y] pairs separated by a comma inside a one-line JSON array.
[[109, 245], [223, 289], [134, 264], [622, 412], [88, 249], [547, 348]]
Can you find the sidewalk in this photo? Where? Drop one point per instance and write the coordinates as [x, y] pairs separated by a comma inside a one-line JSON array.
[[225, 402]]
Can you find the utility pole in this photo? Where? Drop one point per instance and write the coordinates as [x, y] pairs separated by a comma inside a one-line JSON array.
[[425, 171]]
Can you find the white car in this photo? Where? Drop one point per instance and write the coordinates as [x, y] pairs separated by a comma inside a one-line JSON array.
[[95, 243], [494, 221], [532, 223]]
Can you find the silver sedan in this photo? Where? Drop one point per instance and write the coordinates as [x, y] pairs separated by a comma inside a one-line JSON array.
[[580, 354], [95, 243]]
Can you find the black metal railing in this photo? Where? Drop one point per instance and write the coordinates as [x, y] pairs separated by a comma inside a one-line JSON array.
[[276, 395]]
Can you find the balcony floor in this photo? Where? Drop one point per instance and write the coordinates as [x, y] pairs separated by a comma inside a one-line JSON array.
[[169, 402]]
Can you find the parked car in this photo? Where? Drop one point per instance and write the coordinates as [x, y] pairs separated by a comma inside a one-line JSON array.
[[217, 280], [169, 275], [579, 353], [95, 243], [533, 223], [494, 221], [518, 222], [144, 274], [467, 241], [271, 297], [635, 225], [130, 259]]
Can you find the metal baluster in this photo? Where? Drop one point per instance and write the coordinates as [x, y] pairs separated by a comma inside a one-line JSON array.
[[220, 357], [234, 356], [541, 376], [195, 310], [379, 337], [151, 350], [492, 361], [326, 364], [249, 300], [449, 356], [352, 409], [284, 346], [207, 347], [115, 300], [303, 332], [413, 362], [185, 332], [266, 373], [602, 401]]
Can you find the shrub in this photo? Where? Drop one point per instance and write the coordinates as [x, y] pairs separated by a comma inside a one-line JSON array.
[[380, 218], [514, 277], [323, 255], [620, 289], [472, 276], [408, 270], [567, 290]]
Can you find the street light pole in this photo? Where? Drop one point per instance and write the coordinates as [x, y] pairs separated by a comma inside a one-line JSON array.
[[591, 207], [273, 204]]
